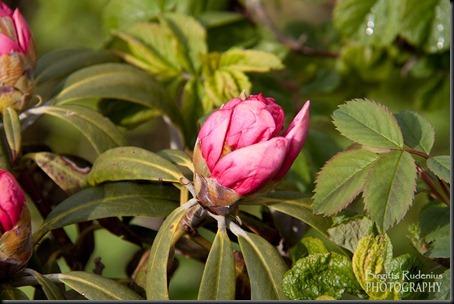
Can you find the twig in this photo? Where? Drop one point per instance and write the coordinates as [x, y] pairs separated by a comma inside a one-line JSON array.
[[295, 45]]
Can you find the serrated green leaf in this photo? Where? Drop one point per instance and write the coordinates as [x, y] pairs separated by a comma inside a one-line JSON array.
[[426, 24], [389, 189], [297, 205], [444, 293], [401, 270], [96, 287], [178, 157], [191, 39], [320, 274], [371, 263], [218, 279], [347, 234], [132, 163], [368, 123], [418, 132], [100, 132], [265, 267], [341, 179], [156, 288], [441, 166], [374, 22], [51, 290], [435, 230], [109, 200], [118, 81], [65, 173], [249, 61], [12, 127]]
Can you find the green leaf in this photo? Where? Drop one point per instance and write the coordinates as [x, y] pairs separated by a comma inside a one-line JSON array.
[[368, 123], [341, 179], [218, 279], [297, 205], [320, 274], [401, 271], [265, 267], [371, 263], [98, 130], [191, 39], [7, 292], [169, 232], [12, 127], [118, 81], [51, 290], [314, 245], [441, 166], [65, 173], [417, 131], [374, 22], [110, 200], [347, 234], [427, 24], [59, 63], [132, 163], [96, 287], [178, 157], [225, 85], [435, 229], [444, 281], [249, 61], [389, 189]]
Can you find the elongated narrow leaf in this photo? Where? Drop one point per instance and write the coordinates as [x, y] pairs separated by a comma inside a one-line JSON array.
[[297, 205], [341, 179], [65, 173], [132, 163], [118, 81], [177, 157], [96, 287], [51, 290], [218, 279], [389, 189], [7, 292], [417, 131], [109, 200], [368, 123], [265, 267], [12, 127], [441, 166], [156, 287], [100, 132]]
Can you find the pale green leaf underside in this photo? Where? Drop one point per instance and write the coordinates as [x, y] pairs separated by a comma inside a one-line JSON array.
[[341, 180], [265, 267], [132, 163], [389, 189], [109, 200], [218, 279], [348, 234], [441, 166], [96, 287], [368, 123]]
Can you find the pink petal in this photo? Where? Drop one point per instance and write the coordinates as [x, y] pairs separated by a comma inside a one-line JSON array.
[[23, 32], [296, 134], [7, 45], [247, 170], [12, 200], [4, 10], [212, 136]]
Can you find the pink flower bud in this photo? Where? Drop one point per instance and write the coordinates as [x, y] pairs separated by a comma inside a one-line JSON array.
[[17, 59], [15, 226], [239, 147]]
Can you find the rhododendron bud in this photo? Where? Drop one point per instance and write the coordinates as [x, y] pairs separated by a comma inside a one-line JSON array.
[[17, 59], [15, 226], [239, 150]]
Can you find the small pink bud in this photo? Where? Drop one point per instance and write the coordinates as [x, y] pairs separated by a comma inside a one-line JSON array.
[[17, 59], [15, 226], [239, 148]]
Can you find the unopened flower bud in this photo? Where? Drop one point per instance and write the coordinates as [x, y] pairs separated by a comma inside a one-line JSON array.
[[15, 226], [239, 150], [17, 59]]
